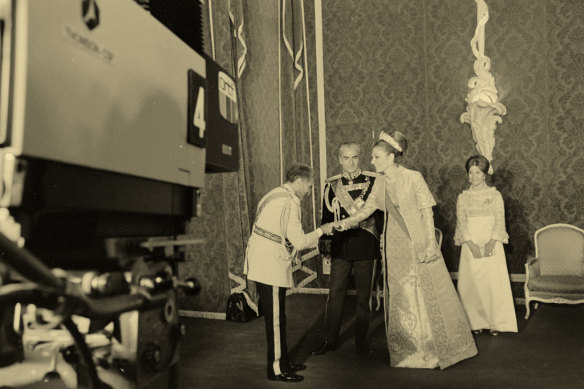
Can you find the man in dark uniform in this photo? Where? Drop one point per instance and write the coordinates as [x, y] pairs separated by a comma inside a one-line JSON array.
[[356, 249]]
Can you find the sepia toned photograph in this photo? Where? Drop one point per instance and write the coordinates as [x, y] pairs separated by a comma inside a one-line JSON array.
[[319, 194]]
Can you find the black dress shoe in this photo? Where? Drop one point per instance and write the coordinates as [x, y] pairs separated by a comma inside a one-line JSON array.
[[294, 367], [324, 348], [286, 377], [363, 348]]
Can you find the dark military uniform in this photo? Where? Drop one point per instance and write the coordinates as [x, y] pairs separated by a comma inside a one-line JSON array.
[[356, 249]]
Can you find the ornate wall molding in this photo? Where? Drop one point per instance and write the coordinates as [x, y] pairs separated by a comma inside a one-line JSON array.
[[483, 110]]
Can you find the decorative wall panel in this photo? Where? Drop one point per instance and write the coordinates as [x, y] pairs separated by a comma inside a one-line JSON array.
[[404, 64]]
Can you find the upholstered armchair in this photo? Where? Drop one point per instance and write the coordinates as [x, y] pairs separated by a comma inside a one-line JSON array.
[[556, 273]]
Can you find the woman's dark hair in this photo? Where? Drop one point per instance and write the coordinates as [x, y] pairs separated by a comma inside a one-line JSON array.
[[400, 139], [479, 161], [299, 170]]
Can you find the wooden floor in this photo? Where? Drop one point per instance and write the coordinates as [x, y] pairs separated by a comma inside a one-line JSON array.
[[548, 352]]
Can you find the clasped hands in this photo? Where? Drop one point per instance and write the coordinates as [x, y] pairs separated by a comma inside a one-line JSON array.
[[328, 228], [476, 250]]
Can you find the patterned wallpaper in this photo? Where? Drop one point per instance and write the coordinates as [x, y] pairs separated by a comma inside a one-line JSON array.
[[405, 64], [401, 64], [230, 199], [224, 222]]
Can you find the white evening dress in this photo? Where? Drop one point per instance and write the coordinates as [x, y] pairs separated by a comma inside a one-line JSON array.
[[425, 323], [483, 283]]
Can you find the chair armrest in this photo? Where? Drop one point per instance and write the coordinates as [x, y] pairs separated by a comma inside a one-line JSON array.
[[532, 267]]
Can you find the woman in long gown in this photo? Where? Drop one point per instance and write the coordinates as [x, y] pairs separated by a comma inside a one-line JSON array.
[[424, 320], [483, 280]]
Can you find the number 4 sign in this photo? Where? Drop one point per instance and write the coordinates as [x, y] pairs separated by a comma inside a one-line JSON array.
[[197, 114]]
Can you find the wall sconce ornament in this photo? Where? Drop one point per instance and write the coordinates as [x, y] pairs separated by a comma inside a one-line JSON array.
[[483, 110]]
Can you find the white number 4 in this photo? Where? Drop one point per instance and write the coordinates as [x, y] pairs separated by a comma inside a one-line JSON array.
[[199, 116]]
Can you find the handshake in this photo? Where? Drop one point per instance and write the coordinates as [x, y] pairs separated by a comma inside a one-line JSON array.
[[328, 228]]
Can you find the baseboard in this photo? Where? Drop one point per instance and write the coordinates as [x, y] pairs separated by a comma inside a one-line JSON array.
[[517, 277], [351, 292], [203, 315]]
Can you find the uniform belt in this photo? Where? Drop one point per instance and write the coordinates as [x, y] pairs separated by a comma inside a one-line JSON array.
[[267, 234], [273, 237]]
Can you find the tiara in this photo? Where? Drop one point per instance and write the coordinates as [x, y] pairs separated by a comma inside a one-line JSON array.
[[386, 137]]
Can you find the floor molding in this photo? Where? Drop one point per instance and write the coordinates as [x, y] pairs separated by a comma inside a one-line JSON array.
[[516, 277], [454, 275], [204, 315]]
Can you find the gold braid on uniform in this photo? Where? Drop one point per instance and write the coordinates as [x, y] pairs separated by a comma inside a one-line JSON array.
[[335, 207], [362, 194]]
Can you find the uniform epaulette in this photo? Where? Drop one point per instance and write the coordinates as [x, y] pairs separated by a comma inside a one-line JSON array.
[[371, 174], [333, 178]]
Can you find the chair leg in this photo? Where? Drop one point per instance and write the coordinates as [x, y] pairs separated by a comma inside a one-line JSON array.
[[526, 309], [536, 306]]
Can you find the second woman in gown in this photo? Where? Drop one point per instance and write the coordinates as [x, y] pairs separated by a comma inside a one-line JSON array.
[[483, 280], [425, 324]]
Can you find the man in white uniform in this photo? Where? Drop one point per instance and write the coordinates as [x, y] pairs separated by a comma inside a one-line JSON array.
[[276, 238]]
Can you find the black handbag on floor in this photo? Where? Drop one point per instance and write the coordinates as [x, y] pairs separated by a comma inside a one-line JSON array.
[[238, 309]]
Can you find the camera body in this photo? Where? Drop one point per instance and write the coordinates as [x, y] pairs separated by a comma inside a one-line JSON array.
[[108, 123]]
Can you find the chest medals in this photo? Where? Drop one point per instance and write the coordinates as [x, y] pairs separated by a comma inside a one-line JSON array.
[[342, 192]]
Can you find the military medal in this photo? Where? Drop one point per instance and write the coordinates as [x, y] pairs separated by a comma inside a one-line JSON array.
[[342, 192], [350, 176]]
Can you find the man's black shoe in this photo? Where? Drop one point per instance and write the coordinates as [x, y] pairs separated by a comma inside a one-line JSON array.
[[294, 367], [324, 348], [286, 377], [362, 346], [363, 349]]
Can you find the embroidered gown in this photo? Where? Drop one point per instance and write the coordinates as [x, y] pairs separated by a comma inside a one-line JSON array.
[[425, 323], [483, 283]]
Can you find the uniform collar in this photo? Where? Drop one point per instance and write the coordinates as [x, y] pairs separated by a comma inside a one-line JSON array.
[[352, 176], [291, 191]]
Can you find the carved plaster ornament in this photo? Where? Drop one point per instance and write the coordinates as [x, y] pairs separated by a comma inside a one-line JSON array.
[[483, 110]]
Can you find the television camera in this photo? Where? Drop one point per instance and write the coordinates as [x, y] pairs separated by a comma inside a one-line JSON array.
[[109, 120]]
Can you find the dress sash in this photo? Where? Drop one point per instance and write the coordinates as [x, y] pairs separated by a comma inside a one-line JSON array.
[[394, 213]]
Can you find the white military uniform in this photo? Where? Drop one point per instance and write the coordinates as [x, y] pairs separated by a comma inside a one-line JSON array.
[[268, 257], [276, 237]]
